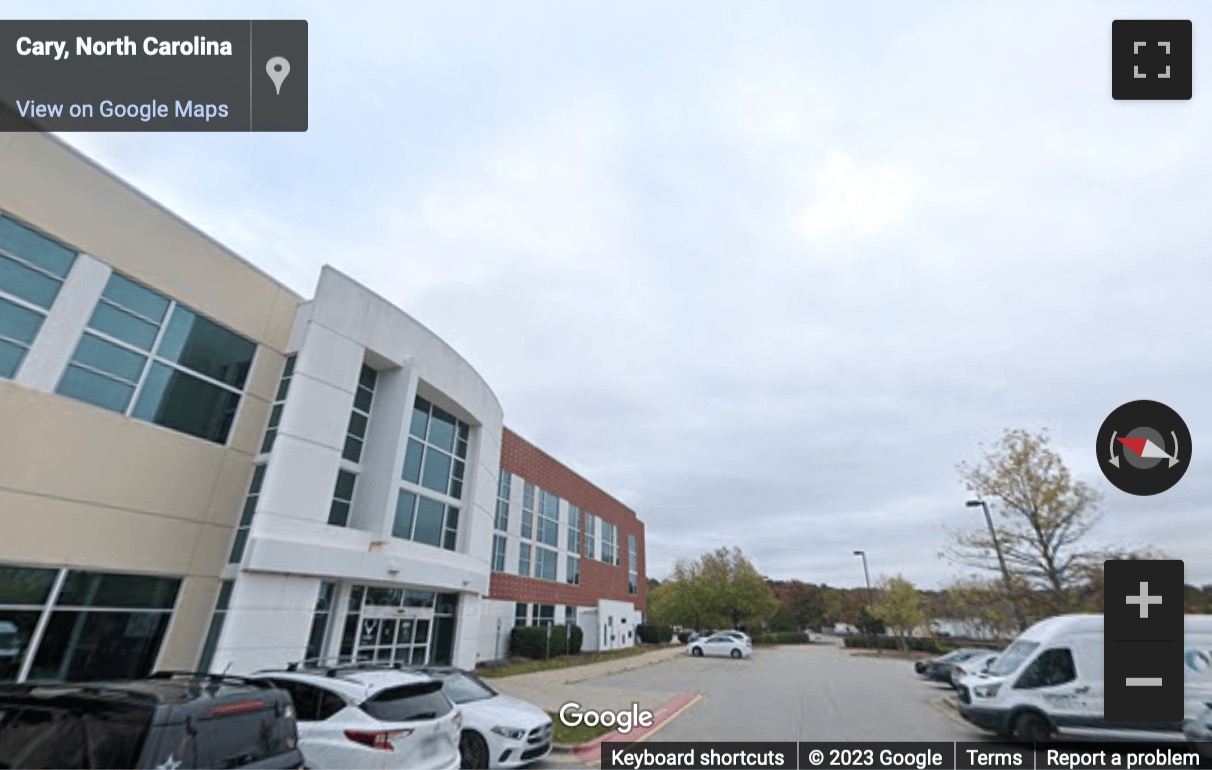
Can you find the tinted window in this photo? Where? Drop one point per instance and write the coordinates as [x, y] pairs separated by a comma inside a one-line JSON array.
[[409, 703], [207, 348], [312, 704], [462, 688], [243, 737], [53, 738], [1051, 668], [179, 401]]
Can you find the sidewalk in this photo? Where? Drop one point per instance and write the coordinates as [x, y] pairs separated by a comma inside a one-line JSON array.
[[549, 690]]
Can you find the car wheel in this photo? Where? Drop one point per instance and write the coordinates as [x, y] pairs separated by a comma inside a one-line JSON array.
[[1033, 728], [473, 750], [736, 653], [696, 652]]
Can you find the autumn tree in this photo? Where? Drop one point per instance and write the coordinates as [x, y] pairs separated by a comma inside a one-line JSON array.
[[719, 588], [899, 605], [803, 604], [1042, 516]]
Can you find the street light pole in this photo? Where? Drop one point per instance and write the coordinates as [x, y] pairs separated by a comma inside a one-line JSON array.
[[1001, 560], [867, 577]]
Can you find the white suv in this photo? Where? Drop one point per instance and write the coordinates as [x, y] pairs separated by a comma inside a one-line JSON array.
[[498, 730], [363, 716]]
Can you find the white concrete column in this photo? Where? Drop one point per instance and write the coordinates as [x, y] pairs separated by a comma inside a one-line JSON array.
[[69, 314]]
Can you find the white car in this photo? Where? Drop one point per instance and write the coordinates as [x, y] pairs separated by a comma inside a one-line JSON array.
[[1197, 721], [971, 666], [721, 645], [744, 637], [365, 716], [498, 730]]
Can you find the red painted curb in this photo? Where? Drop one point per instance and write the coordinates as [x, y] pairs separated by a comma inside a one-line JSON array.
[[591, 752]]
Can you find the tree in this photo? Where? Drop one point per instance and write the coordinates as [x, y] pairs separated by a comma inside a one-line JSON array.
[[719, 588], [981, 605], [1041, 519], [802, 603], [899, 606]]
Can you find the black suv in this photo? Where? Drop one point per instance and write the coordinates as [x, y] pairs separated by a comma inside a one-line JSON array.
[[170, 720]]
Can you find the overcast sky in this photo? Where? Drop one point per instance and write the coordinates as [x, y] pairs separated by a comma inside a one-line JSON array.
[[763, 271]]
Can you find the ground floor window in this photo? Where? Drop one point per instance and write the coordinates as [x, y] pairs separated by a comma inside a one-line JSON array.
[[77, 625], [216, 626]]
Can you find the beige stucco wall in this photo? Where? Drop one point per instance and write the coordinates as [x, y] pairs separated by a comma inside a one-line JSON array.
[[81, 486]]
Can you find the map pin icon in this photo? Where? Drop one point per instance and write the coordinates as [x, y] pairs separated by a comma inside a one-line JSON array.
[[277, 68]]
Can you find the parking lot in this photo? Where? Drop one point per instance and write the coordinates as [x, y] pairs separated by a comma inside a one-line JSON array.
[[811, 692]]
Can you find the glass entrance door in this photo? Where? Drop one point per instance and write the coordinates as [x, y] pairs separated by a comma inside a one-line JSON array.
[[394, 635]]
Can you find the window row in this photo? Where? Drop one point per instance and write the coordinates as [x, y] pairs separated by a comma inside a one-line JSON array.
[[142, 354]]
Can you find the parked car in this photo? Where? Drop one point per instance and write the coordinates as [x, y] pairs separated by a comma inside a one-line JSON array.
[[1051, 678], [498, 730], [736, 635], [371, 716], [939, 669], [169, 720], [721, 645], [974, 665]]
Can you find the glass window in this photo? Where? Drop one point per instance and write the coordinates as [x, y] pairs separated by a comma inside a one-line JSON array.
[[574, 529], [196, 377], [96, 389], [35, 249], [216, 626], [412, 461], [450, 535], [524, 560], [527, 510], [633, 565], [17, 323], [574, 570], [420, 418], [498, 553], [16, 632], [591, 527], [1051, 668], [504, 485], [10, 358], [570, 615], [111, 590], [32, 269], [26, 585], [203, 346], [519, 614], [406, 504], [105, 626], [275, 414], [610, 542], [437, 471], [342, 498], [246, 516], [442, 429], [173, 399], [430, 515], [319, 621], [545, 563], [544, 615], [359, 417]]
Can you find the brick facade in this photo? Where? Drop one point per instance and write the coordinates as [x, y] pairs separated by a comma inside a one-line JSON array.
[[598, 579]]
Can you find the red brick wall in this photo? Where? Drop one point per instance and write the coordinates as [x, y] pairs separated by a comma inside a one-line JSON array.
[[598, 580]]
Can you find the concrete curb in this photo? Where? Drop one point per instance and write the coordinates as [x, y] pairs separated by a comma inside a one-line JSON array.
[[631, 663]]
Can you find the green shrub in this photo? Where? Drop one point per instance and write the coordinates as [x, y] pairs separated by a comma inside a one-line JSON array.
[[932, 646], [653, 634], [781, 637], [531, 642]]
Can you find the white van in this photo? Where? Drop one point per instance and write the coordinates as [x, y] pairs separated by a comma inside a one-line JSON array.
[[1051, 678]]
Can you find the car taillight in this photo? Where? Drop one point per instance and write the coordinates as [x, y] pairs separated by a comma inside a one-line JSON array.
[[376, 739]]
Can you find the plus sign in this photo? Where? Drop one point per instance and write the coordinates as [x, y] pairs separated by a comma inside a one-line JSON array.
[[1144, 600]]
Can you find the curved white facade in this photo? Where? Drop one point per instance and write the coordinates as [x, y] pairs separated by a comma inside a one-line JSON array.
[[296, 543]]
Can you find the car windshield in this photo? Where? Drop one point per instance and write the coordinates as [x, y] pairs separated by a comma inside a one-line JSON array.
[[1009, 661], [34, 736], [463, 688]]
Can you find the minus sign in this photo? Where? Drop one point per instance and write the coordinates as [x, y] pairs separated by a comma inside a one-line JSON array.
[[1143, 681]]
